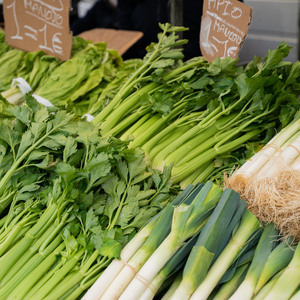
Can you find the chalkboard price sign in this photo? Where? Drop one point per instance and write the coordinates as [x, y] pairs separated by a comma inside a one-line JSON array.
[[33, 25], [224, 27]]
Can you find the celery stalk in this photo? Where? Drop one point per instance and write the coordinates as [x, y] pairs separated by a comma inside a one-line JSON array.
[[180, 172]]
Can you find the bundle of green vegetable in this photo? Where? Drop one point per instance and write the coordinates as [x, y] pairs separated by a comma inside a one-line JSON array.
[[74, 84], [70, 200], [201, 116], [205, 245], [209, 233], [270, 181]]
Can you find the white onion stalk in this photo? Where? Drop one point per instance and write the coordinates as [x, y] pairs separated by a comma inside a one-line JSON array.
[[149, 270], [281, 160]]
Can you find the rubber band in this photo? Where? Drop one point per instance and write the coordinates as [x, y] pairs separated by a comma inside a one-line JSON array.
[[140, 278], [294, 148], [145, 282], [272, 146], [22, 84], [125, 263]]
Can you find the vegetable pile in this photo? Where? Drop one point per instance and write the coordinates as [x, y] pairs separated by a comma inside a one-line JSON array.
[[79, 199], [201, 118], [206, 245], [74, 85], [70, 200]]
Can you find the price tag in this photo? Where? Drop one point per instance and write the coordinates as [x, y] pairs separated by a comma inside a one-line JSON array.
[[224, 27], [33, 25]]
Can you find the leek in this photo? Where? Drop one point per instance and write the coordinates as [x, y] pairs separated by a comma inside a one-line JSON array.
[[187, 221], [265, 246], [248, 226], [289, 281], [212, 239]]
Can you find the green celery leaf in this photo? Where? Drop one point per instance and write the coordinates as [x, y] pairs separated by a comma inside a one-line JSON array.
[[136, 167], [91, 219], [110, 248], [122, 170], [145, 213], [70, 148], [274, 58], [128, 212], [98, 167], [114, 188]]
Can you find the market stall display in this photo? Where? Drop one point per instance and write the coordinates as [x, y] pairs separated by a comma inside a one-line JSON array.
[[134, 201]]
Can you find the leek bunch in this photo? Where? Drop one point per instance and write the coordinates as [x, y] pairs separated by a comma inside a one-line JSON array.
[[201, 223]]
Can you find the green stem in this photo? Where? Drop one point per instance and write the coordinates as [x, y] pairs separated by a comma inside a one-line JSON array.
[[165, 132], [173, 136], [179, 173], [79, 290], [148, 132], [10, 238], [198, 144], [22, 290], [50, 266], [29, 267], [6, 199], [58, 276], [200, 175], [204, 134], [3, 221], [135, 118], [124, 107], [12, 256], [73, 279], [27, 255]]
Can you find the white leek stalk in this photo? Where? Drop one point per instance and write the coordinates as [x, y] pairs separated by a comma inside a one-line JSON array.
[[98, 288], [264, 248], [187, 221], [249, 224], [289, 281]]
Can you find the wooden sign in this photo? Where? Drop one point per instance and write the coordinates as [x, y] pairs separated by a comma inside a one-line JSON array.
[[224, 27], [33, 25], [120, 40]]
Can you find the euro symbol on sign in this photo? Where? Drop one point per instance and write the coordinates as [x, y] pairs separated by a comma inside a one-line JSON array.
[[56, 43]]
